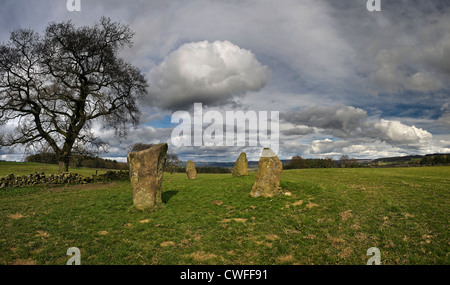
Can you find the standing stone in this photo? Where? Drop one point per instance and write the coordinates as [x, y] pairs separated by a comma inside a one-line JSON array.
[[190, 170], [146, 175], [267, 181], [241, 166]]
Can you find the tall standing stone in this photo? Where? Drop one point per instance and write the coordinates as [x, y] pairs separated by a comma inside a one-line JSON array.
[[268, 176], [146, 175], [190, 170], [241, 166]]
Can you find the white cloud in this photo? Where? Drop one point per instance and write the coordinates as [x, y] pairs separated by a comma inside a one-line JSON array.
[[397, 133], [205, 72], [327, 146], [347, 122]]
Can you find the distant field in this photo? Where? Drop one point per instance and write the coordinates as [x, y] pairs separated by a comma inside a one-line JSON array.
[[330, 216], [21, 168]]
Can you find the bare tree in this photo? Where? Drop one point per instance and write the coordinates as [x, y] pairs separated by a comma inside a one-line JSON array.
[[348, 162], [55, 86], [172, 162]]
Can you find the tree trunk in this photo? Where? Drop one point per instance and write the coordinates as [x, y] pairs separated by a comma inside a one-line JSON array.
[[63, 164]]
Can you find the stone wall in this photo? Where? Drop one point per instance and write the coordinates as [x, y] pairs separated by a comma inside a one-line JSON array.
[[65, 178]]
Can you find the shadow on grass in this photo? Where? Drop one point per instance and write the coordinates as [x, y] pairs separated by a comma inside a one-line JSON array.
[[166, 196]]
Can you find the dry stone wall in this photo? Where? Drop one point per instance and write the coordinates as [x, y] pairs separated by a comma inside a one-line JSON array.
[[36, 179]]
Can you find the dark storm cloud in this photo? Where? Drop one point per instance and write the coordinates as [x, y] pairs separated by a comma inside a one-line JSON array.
[[404, 47], [341, 119], [298, 131]]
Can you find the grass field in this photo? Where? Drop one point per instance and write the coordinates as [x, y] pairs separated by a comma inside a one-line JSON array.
[[329, 216]]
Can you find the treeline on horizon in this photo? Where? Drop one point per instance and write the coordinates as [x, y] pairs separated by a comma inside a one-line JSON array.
[[202, 169], [297, 162], [87, 161], [78, 161]]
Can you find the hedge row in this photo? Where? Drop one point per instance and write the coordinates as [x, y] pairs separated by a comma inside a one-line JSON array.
[[65, 178]]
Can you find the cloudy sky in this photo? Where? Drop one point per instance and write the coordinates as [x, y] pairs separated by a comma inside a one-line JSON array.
[[344, 80]]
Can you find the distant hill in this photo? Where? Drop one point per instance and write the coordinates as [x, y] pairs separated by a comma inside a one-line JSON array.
[[397, 158], [251, 164], [408, 160]]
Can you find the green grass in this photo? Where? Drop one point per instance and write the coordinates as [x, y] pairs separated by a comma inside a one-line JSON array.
[[213, 220]]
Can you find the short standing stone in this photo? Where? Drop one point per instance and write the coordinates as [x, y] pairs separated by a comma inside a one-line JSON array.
[[267, 181], [241, 166], [190, 170], [146, 175]]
